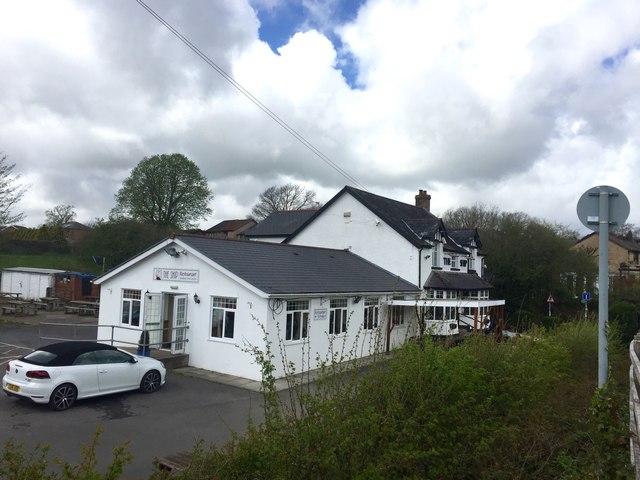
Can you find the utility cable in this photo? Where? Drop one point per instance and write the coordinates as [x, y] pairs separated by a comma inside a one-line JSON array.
[[251, 97]]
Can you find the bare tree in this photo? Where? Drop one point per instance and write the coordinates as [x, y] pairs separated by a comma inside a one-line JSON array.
[[11, 192], [59, 215], [283, 198]]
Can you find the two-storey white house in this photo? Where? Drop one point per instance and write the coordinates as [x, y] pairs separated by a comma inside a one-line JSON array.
[[411, 242]]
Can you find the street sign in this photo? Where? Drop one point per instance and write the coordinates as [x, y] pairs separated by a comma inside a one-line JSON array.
[[550, 299], [586, 296], [598, 209], [589, 207]]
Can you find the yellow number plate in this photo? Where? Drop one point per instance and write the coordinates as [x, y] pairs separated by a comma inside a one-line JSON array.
[[13, 388]]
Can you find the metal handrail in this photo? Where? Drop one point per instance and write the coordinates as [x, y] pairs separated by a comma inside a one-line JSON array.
[[109, 340]]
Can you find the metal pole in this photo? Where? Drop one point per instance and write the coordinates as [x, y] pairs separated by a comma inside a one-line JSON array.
[[603, 281]]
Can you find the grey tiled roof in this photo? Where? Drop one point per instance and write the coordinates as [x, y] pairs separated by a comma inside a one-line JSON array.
[[293, 269], [413, 223], [456, 281], [280, 224]]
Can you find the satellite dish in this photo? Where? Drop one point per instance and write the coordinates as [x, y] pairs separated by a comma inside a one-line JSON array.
[[171, 251]]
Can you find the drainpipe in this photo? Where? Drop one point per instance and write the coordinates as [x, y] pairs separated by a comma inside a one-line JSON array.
[[420, 267]]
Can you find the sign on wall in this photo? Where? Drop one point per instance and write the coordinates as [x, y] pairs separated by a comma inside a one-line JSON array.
[[319, 314], [174, 275]]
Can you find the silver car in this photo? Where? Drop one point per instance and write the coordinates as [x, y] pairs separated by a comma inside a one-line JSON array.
[[61, 373]]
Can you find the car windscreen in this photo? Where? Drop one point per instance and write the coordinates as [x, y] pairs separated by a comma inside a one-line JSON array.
[[40, 357]]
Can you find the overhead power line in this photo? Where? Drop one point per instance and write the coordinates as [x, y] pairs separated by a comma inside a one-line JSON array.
[[252, 98]]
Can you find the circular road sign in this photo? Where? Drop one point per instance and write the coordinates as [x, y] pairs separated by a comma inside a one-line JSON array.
[[589, 207]]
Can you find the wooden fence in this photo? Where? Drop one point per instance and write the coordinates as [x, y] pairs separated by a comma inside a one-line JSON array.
[[634, 404]]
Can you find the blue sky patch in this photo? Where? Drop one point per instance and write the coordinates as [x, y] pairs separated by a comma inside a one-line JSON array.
[[280, 22]]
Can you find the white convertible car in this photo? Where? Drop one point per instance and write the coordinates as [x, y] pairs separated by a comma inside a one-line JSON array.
[[61, 373]]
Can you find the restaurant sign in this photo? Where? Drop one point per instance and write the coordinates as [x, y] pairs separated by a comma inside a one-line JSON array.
[[173, 275]]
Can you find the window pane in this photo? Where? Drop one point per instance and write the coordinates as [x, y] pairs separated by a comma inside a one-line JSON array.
[[216, 322], [125, 312], [135, 313], [228, 323]]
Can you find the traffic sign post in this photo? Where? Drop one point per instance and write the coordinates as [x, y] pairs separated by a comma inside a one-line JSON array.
[[550, 300], [598, 208], [586, 296]]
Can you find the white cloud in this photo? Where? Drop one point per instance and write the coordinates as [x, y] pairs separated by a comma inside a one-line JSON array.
[[512, 104]]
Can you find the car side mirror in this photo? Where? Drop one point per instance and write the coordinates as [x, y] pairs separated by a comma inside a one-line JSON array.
[[133, 360]]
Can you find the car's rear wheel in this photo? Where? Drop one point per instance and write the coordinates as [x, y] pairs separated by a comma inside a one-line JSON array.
[[150, 381], [63, 397]]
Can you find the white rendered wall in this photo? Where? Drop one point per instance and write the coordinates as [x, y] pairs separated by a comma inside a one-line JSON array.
[[366, 236], [220, 355]]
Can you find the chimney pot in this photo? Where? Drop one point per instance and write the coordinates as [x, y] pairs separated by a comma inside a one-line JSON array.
[[423, 200]]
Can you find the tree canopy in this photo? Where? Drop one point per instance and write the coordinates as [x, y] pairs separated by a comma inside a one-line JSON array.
[[283, 198], [527, 258], [166, 190], [59, 215], [11, 192]]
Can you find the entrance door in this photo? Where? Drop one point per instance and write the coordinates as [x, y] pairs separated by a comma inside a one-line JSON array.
[[179, 323], [152, 318]]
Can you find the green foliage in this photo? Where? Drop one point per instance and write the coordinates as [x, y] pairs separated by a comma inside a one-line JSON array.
[[68, 262], [120, 240], [527, 258], [516, 409], [17, 464], [164, 190], [625, 315]]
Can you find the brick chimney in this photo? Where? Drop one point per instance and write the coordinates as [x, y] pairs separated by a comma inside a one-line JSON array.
[[423, 200]]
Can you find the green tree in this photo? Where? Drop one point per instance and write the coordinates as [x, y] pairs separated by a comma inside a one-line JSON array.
[[11, 192], [528, 258], [283, 198], [164, 190], [59, 215], [119, 240]]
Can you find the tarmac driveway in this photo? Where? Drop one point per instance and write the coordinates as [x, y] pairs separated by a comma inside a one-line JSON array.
[[172, 420]]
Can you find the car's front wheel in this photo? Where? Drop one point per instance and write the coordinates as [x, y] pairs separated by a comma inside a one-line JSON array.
[[150, 381], [63, 397]]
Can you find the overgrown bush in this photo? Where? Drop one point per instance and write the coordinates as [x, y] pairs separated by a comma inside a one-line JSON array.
[[518, 409]]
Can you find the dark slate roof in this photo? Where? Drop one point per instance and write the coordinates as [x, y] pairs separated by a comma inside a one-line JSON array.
[[402, 217], [74, 226], [293, 269], [456, 281], [230, 225], [465, 236], [280, 224]]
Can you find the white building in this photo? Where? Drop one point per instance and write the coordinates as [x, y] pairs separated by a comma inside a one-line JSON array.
[[30, 283], [215, 298], [411, 242]]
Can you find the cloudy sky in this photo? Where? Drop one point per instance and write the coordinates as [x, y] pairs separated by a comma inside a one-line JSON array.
[[523, 105]]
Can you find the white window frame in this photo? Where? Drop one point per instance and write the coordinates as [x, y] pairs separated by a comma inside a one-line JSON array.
[[338, 315], [227, 308], [297, 310], [130, 304], [371, 313]]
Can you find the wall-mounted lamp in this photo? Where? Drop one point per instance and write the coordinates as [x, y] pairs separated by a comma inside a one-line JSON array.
[[148, 294], [196, 298], [357, 299]]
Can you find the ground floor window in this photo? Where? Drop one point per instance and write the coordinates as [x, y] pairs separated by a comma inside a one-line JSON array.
[[338, 316], [297, 326], [130, 314], [371, 309], [397, 314], [223, 316]]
